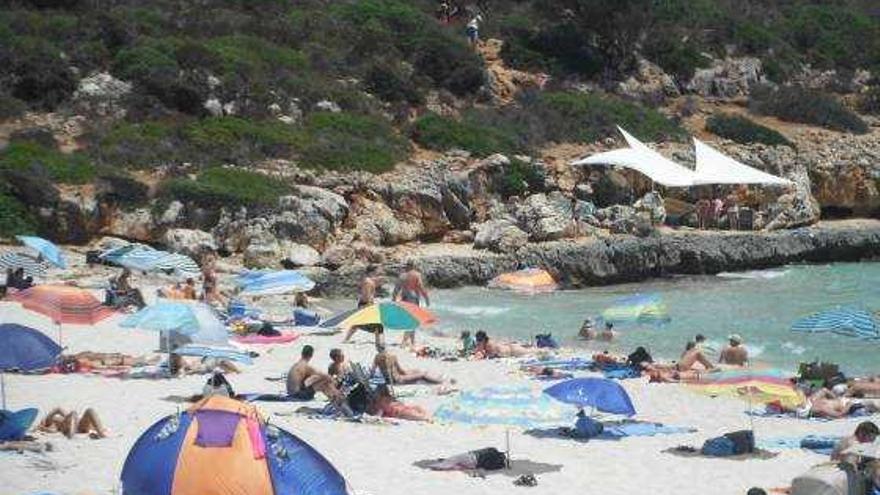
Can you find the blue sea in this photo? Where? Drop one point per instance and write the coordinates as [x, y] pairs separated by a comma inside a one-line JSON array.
[[760, 306]]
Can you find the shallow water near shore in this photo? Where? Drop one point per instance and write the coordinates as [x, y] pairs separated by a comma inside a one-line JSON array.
[[759, 305]]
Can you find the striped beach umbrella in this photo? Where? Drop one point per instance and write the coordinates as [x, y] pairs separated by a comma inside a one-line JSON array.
[[13, 261], [178, 264], [265, 283], [849, 322], [49, 251], [392, 315], [64, 304], [143, 258]]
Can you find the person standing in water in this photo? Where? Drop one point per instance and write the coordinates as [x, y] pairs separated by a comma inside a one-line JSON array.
[[410, 288]]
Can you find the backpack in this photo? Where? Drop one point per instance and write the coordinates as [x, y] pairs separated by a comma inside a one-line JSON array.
[[718, 447], [546, 341], [639, 356], [743, 441], [490, 459]]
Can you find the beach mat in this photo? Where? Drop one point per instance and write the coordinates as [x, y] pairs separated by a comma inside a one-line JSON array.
[[615, 430], [685, 451]]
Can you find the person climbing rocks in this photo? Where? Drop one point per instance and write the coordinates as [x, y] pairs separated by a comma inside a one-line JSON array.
[[473, 29]]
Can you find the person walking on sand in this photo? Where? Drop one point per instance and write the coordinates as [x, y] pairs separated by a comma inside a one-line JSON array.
[[735, 353], [410, 288], [366, 297]]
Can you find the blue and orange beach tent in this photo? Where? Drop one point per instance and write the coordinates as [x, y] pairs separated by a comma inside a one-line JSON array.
[[221, 446]]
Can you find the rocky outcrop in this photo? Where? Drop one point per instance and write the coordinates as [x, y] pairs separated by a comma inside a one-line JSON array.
[[502, 236], [649, 83], [193, 243], [545, 217], [619, 259], [101, 95], [728, 78]]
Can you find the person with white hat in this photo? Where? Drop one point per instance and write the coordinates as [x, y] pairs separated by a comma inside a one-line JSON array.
[[735, 353]]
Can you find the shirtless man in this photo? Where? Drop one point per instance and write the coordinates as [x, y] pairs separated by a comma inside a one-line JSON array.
[[411, 289], [339, 365], [388, 364], [366, 297], [827, 404], [735, 353], [303, 380], [685, 369], [487, 349]]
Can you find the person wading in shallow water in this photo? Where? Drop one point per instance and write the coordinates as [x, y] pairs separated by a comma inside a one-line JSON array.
[[411, 289]]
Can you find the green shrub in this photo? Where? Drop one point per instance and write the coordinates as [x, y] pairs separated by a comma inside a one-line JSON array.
[[678, 57], [440, 133], [140, 145], [15, 219], [869, 101], [797, 104], [743, 130], [64, 168], [11, 107], [520, 178], [344, 141], [239, 140], [218, 187], [35, 72]]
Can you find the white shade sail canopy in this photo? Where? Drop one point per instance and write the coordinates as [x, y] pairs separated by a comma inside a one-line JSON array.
[[643, 159], [713, 167]]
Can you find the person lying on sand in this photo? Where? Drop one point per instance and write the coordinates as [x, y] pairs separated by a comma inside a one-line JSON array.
[[488, 349], [686, 369], [303, 381], [386, 405], [179, 365], [735, 353], [60, 421], [87, 360], [388, 364], [867, 387]]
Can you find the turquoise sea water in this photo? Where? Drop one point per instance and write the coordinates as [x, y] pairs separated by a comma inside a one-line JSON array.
[[760, 306]]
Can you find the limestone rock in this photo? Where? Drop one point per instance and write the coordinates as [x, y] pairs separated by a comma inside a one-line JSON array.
[[649, 83], [545, 217], [728, 78], [102, 95], [193, 243], [500, 236], [299, 255]]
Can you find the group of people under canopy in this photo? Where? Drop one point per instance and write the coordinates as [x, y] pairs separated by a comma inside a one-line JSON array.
[[713, 168]]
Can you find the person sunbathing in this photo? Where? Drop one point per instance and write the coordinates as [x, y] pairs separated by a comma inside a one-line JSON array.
[[60, 421], [685, 369], [488, 349], [388, 364], [384, 404], [825, 403], [87, 360], [869, 387]]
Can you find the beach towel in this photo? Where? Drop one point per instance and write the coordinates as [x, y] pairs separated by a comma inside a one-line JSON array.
[[623, 373], [261, 397], [820, 444], [15, 424], [641, 429], [284, 338], [567, 364]]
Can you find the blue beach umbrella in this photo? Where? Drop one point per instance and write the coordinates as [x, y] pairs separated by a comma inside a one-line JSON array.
[[274, 283], [604, 395], [24, 349], [192, 319], [214, 351], [47, 249], [849, 322]]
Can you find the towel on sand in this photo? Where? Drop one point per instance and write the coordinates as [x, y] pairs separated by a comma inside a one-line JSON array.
[[819, 444], [260, 397]]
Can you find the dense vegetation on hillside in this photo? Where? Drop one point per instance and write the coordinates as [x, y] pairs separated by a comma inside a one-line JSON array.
[[346, 84]]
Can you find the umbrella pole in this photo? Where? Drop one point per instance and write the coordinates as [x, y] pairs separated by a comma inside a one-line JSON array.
[[507, 447], [3, 388]]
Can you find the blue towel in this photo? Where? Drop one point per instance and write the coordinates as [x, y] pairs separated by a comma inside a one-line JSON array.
[[569, 364], [624, 373], [639, 429], [817, 443], [258, 397]]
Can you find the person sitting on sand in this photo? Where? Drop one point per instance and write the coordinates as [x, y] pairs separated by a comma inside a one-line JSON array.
[[60, 421], [388, 364], [189, 289], [685, 369], [588, 331], [487, 349], [866, 432], [384, 404], [735, 353], [303, 381], [339, 367]]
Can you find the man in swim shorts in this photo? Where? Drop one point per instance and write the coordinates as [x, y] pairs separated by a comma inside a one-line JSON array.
[[411, 289], [303, 380]]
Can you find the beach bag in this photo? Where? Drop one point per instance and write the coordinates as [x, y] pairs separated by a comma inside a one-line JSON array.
[[358, 399], [743, 441], [546, 341], [305, 318], [586, 427], [718, 447], [490, 459]]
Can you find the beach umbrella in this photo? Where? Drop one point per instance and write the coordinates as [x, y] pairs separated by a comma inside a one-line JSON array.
[[49, 251], [224, 352], [518, 406], [638, 309], [143, 258], [265, 283], [849, 322], [764, 386], [392, 315], [598, 393], [195, 320], [13, 261], [221, 446], [64, 304], [24, 349], [530, 280]]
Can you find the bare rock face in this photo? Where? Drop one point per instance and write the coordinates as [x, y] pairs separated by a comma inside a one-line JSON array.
[[137, 224], [309, 217], [501, 236], [545, 217], [649, 83], [728, 78], [377, 224], [299, 255], [845, 173], [101, 95], [193, 243]]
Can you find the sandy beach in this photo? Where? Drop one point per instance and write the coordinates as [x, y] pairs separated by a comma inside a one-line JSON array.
[[379, 457]]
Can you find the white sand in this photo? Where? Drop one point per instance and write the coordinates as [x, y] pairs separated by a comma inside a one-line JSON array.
[[378, 458]]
